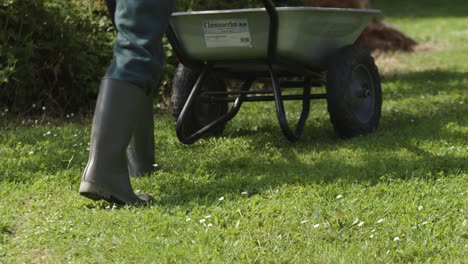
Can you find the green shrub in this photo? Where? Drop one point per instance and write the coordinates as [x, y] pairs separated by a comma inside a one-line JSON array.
[[52, 54]]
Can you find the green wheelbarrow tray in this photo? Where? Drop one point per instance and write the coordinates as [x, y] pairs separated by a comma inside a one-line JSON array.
[[254, 43], [306, 35]]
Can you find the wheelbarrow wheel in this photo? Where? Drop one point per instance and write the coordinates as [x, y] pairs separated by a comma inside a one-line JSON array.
[[203, 113], [354, 94]]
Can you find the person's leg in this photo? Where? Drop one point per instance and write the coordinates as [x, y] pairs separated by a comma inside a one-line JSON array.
[[138, 51], [138, 55], [140, 151]]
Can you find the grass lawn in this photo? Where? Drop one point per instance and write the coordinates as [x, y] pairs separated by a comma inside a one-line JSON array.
[[397, 195]]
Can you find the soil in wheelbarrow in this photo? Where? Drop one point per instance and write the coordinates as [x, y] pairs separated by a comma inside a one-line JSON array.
[[377, 36]]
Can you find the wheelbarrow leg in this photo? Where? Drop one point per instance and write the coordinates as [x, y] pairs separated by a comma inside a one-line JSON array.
[[290, 135], [189, 139]]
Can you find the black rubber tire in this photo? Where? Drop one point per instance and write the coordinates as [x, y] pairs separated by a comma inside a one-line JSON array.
[[203, 113], [354, 94]]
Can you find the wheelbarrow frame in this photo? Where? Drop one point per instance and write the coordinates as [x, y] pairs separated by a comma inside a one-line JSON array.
[[244, 91], [313, 77]]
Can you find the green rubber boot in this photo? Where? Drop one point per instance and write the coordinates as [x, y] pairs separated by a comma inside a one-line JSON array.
[[140, 152], [106, 176]]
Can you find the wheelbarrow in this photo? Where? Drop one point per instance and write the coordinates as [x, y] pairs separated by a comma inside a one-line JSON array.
[[282, 47]]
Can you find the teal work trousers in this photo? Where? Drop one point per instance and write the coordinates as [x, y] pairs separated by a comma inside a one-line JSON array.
[[138, 50]]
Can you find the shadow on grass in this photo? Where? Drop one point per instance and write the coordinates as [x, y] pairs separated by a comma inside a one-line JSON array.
[[408, 145]]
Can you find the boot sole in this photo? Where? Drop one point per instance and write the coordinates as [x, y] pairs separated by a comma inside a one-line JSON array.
[[92, 191], [95, 192]]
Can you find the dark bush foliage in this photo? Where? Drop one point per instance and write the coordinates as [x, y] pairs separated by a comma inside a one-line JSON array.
[[52, 54]]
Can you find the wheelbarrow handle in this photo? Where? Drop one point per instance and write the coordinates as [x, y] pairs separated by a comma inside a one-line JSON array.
[[111, 6], [273, 31], [269, 5]]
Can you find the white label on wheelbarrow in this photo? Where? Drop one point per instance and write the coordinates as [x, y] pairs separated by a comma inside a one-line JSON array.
[[227, 33]]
